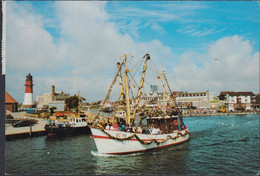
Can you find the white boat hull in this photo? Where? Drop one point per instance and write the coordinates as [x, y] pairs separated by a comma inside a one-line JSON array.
[[119, 142]]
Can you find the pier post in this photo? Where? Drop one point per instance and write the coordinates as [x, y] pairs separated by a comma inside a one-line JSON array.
[[30, 133]]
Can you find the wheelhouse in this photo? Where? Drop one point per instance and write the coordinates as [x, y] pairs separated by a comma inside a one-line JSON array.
[[166, 124]]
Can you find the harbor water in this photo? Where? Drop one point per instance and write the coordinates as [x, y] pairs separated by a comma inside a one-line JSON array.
[[218, 145]]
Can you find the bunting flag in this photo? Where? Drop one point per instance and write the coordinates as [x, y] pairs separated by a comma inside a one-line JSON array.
[[154, 88]]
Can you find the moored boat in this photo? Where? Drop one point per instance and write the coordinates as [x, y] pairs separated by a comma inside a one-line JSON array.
[[165, 129], [107, 108], [74, 125]]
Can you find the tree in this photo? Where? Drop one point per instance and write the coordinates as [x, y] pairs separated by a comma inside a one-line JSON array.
[[222, 97], [52, 109], [72, 102]]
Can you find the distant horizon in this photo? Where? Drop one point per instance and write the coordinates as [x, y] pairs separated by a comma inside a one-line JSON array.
[[201, 45]]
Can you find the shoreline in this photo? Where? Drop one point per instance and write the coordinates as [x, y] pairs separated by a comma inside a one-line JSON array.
[[222, 114], [211, 114]]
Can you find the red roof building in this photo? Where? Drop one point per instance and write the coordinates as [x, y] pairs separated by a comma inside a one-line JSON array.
[[10, 103]]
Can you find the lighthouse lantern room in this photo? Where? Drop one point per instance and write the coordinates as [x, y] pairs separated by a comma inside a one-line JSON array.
[[28, 96]]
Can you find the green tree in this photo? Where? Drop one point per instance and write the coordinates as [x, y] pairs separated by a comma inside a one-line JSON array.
[[52, 109], [72, 102]]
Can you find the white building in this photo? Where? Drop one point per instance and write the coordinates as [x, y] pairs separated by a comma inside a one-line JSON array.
[[194, 99], [199, 100], [154, 99], [236, 99], [194, 96], [59, 105]]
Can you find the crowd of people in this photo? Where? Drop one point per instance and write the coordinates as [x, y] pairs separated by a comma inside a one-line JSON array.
[[158, 111], [120, 126]]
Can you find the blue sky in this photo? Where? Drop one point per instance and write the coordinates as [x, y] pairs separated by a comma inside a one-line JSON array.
[[73, 44]]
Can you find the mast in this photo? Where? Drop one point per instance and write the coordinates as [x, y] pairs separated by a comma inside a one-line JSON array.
[[163, 76], [147, 57], [79, 104], [127, 94], [119, 66], [121, 92], [175, 104]]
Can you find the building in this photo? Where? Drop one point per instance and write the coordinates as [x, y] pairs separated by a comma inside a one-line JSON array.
[[44, 100], [59, 105], [154, 99], [28, 96], [10, 103], [194, 96], [194, 99], [256, 102], [239, 100]]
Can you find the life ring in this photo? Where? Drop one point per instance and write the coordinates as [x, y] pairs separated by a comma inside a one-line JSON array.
[[175, 122]]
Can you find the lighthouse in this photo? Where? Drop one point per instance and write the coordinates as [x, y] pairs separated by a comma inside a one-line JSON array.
[[28, 96]]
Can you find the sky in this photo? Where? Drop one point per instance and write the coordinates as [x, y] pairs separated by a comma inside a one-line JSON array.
[[201, 45]]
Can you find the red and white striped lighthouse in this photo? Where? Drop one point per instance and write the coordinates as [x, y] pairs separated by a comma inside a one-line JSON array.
[[28, 96]]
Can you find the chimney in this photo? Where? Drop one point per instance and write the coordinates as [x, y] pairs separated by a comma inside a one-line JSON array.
[[52, 93], [207, 94]]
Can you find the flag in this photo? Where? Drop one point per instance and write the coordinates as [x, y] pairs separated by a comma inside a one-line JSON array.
[[154, 88]]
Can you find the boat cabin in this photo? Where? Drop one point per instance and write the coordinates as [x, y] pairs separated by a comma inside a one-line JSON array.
[[166, 124], [121, 115], [78, 122]]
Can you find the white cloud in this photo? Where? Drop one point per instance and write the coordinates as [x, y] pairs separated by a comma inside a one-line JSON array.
[[29, 47], [194, 30], [84, 59], [236, 68]]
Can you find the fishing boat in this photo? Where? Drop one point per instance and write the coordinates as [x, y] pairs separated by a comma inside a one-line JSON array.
[[164, 126]]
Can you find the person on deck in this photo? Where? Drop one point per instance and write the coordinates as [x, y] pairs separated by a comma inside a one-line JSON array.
[[115, 126], [139, 129], [144, 130], [122, 127]]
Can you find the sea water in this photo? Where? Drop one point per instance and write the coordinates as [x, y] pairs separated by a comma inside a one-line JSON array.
[[218, 145]]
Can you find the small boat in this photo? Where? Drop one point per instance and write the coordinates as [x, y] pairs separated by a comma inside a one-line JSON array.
[[76, 124], [163, 129], [107, 108]]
